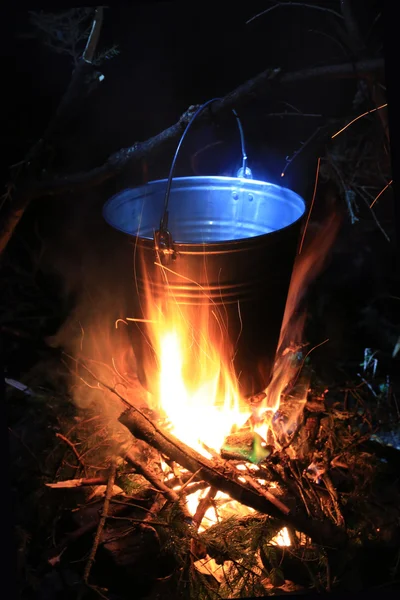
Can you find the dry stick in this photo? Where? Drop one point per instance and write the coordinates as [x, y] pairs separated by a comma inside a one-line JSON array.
[[335, 499], [156, 482], [71, 445], [100, 527], [203, 506], [77, 483], [270, 497], [261, 83], [198, 550], [30, 190], [19, 203], [222, 476], [294, 5], [142, 427]]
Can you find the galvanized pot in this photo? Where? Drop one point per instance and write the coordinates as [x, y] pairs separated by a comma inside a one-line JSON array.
[[223, 251], [234, 244]]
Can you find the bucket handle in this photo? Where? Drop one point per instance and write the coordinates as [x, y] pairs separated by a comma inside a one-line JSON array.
[[163, 242]]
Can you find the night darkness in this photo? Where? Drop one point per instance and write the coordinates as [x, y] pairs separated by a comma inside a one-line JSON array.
[[64, 265]]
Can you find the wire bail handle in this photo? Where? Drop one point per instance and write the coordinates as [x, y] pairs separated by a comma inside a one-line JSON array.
[[163, 242]]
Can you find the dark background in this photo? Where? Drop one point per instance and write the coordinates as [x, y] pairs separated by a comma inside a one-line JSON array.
[[172, 55]]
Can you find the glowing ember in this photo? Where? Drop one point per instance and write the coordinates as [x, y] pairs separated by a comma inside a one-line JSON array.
[[282, 538]]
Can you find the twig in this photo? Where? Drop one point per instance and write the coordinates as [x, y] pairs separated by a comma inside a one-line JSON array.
[[293, 114], [100, 527], [334, 497], [140, 521], [203, 506], [345, 189], [312, 205], [156, 482], [119, 160], [76, 483], [374, 216], [71, 445], [295, 4], [78, 82], [93, 39], [290, 159], [270, 497]]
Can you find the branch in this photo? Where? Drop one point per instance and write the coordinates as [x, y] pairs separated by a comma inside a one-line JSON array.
[[295, 4], [31, 163], [241, 95], [261, 84], [93, 39], [224, 477], [100, 527]]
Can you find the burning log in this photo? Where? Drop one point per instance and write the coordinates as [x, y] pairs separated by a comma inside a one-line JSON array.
[[224, 477]]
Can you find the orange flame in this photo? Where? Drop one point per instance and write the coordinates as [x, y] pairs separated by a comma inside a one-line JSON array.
[[307, 266], [196, 387]]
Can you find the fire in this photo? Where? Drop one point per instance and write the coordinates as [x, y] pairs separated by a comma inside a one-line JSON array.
[[196, 388], [204, 416], [195, 391]]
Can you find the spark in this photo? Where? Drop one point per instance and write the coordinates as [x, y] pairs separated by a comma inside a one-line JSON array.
[[312, 204], [359, 117], [140, 320], [315, 347], [380, 193]]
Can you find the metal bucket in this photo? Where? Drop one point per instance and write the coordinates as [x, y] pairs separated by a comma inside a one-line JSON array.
[[231, 249]]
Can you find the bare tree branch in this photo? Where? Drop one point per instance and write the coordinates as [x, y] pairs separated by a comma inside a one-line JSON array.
[[93, 39], [261, 84], [295, 4], [244, 93], [31, 164]]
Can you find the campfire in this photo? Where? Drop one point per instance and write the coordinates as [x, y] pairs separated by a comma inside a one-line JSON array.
[[215, 472], [199, 409], [189, 487]]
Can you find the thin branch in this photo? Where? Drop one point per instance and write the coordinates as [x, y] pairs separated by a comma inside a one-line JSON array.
[[259, 85], [354, 35], [333, 39], [156, 482], [303, 145], [100, 527], [293, 114], [27, 171], [295, 4], [374, 216], [242, 94], [93, 39], [312, 205], [71, 445]]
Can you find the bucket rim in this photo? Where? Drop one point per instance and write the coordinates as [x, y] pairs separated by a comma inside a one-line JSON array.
[[242, 182]]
